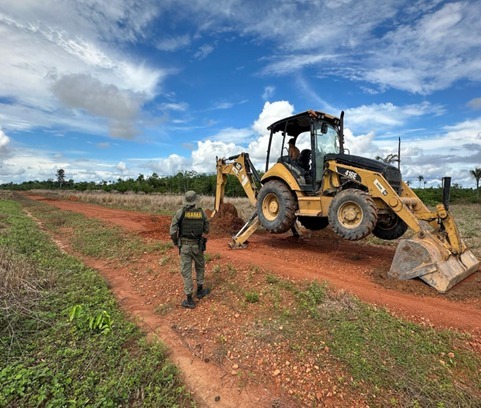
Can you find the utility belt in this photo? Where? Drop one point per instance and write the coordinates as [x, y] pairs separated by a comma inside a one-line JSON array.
[[201, 241], [190, 240]]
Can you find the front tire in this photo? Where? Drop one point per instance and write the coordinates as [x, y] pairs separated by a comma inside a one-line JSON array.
[[276, 207], [353, 214]]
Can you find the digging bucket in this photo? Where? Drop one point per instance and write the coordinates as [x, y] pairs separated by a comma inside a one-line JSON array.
[[426, 258]]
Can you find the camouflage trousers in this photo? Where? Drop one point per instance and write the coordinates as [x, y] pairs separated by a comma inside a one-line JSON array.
[[190, 252]]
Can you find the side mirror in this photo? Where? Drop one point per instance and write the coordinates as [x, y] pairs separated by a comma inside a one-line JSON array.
[[324, 128]]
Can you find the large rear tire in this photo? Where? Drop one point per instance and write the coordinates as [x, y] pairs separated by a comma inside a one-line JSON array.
[[276, 207], [353, 214], [390, 227]]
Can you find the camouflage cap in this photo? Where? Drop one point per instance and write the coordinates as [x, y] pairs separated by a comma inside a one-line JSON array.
[[190, 198]]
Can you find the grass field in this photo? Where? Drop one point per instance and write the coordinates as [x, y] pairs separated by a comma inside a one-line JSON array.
[[67, 343], [64, 341]]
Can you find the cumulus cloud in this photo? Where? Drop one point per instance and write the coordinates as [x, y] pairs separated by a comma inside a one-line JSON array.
[[272, 112], [204, 156], [4, 147], [228, 142], [4, 140], [388, 115], [170, 165], [475, 103], [84, 92], [121, 166], [230, 135], [46, 51]]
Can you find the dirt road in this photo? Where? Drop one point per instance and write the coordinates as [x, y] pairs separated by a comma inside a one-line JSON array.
[[356, 268]]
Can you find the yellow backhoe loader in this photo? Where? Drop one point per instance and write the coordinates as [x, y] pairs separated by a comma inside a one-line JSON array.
[[356, 196]]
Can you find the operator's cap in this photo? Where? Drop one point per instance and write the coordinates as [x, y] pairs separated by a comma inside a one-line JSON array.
[[190, 198]]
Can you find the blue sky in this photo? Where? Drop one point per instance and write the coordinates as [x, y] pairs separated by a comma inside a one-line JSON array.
[[114, 89]]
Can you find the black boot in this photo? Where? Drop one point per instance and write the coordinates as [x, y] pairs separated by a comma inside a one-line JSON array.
[[201, 292], [189, 302]]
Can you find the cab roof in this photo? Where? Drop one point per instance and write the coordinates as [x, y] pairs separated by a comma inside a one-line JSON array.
[[301, 122]]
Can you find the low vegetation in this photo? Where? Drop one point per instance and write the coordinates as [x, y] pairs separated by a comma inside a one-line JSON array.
[[67, 341], [63, 339], [205, 184]]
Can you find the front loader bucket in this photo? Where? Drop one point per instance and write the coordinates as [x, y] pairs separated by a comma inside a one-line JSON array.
[[426, 258]]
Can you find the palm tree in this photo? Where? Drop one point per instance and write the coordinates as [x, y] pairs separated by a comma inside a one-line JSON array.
[[420, 178], [60, 177], [476, 173], [390, 158]]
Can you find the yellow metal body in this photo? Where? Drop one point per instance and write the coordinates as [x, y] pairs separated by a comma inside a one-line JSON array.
[[435, 254], [239, 168]]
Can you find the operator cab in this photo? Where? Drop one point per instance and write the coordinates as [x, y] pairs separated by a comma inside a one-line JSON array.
[[316, 134]]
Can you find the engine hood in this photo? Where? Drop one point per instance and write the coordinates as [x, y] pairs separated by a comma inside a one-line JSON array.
[[361, 162], [391, 173]]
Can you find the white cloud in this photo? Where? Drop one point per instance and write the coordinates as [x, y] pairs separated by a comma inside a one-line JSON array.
[[433, 156], [45, 49], [272, 112], [121, 166], [430, 52], [268, 92], [228, 142], [168, 166], [387, 115], [173, 43], [231, 135], [84, 92], [4, 140], [204, 157], [475, 103], [288, 64], [204, 51]]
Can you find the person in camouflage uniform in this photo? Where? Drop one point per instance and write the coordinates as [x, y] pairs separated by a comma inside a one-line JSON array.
[[188, 225]]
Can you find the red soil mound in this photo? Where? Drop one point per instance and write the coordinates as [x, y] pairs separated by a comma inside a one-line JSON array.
[[226, 222]]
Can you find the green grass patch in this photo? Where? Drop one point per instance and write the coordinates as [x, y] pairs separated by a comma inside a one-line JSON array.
[[389, 361], [252, 297], [63, 340], [92, 237], [416, 366]]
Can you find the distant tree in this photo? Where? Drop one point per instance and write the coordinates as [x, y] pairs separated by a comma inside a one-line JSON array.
[[60, 177], [390, 158], [476, 173], [421, 179]]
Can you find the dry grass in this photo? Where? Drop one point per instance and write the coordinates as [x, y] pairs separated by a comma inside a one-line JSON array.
[[154, 203], [18, 282], [21, 287], [468, 217]]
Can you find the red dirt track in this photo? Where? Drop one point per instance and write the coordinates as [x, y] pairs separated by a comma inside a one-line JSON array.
[[356, 268]]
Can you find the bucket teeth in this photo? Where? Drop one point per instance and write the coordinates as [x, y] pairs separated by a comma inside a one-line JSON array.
[[430, 261]]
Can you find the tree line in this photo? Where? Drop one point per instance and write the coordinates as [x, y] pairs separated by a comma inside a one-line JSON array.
[[183, 181], [205, 184]]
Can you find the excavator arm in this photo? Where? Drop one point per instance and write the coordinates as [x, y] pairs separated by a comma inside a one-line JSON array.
[[240, 166], [436, 253]]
